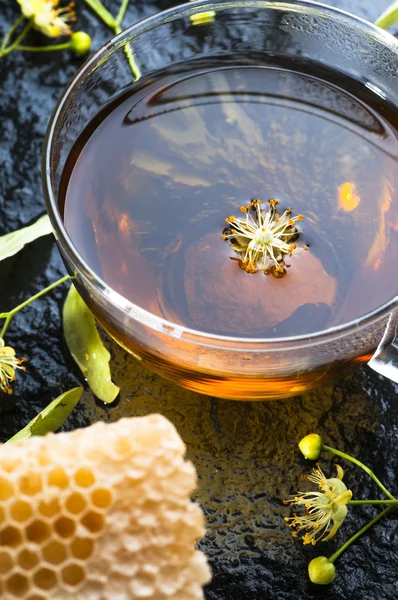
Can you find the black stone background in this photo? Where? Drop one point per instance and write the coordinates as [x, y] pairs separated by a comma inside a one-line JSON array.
[[245, 453]]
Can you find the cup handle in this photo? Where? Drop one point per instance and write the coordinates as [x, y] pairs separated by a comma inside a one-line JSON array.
[[385, 358]]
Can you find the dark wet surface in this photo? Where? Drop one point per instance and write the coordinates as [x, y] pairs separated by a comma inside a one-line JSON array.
[[245, 453]]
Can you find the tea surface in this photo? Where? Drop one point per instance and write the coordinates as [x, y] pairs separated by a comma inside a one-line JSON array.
[[148, 186]]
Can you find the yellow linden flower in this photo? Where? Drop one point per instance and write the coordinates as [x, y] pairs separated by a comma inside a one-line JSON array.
[[8, 365], [325, 510], [47, 17]]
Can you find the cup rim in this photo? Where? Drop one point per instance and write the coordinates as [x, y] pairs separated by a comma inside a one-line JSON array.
[[130, 309]]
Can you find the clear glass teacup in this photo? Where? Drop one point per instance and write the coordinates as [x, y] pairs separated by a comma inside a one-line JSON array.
[[223, 366]]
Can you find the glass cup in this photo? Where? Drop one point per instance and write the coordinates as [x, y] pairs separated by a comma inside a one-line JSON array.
[[222, 366]]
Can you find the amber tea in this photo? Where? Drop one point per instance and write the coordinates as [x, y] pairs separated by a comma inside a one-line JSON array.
[[150, 187]]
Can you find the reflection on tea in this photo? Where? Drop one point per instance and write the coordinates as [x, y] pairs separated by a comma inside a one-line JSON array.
[[148, 186]]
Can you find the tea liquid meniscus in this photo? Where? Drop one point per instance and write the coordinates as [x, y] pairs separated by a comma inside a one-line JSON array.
[[149, 184]]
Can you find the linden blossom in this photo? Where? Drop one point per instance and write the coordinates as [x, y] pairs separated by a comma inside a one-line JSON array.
[[263, 240], [48, 17], [8, 365], [325, 510]]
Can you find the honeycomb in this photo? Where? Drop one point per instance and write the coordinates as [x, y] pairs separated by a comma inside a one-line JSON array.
[[101, 513]]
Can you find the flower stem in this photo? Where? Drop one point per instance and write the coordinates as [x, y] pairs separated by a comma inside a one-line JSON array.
[[8, 315], [359, 464], [102, 12], [360, 502], [64, 46], [122, 12], [5, 326], [9, 33], [130, 57], [21, 36], [359, 533], [115, 25], [19, 39]]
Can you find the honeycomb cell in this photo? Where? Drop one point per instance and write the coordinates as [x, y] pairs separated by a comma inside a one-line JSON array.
[[17, 585], [43, 457], [27, 559], [121, 448], [73, 574], [30, 483], [10, 464], [2, 515], [10, 536], [6, 489], [45, 579], [101, 498], [20, 511], [84, 477], [82, 548], [6, 562], [75, 503], [54, 553], [93, 521], [90, 453], [38, 531], [50, 508], [65, 527], [36, 597], [58, 478]]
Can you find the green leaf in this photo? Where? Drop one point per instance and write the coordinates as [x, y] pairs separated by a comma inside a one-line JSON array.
[[13, 242], [389, 17], [86, 347], [52, 417]]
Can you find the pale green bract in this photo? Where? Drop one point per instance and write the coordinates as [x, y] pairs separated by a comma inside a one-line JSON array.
[[389, 17], [86, 347], [13, 242], [52, 417]]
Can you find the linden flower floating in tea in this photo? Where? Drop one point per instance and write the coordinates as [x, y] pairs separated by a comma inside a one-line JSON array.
[[263, 239], [9, 363], [325, 510]]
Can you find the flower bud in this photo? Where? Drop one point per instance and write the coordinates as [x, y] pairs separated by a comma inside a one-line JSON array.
[[321, 570], [311, 446], [80, 42]]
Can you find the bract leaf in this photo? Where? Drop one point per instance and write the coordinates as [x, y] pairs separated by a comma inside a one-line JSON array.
[[87, 348], [13, 242], [52, 417]]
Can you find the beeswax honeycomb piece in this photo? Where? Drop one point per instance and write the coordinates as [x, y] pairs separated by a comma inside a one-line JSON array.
[[101, 513]]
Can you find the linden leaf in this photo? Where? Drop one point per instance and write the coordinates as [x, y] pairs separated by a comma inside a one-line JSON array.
[[86, 347], [13, 242], [52, 417], [389, 17]]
